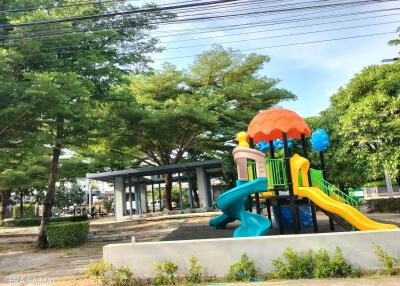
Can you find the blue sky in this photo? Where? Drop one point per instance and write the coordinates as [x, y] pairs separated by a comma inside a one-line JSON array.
[[313, 72]]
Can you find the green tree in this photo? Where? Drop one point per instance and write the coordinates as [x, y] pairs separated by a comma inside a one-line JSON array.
[[63, 70], [172, 115], [66, 196], [66, 121], [364, 123]]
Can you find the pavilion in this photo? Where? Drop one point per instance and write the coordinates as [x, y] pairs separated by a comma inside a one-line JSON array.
[[135, 182]]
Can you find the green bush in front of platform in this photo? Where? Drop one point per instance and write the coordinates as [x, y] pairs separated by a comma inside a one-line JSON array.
[[310, 265], [35, 221], [67, 234], [244, 270], [195, 274], [384, 205], [28, 211], [165, 273], [391, 265], [106, 274]]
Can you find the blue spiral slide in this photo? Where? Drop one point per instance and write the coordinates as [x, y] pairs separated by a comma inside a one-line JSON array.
[[233, 205]]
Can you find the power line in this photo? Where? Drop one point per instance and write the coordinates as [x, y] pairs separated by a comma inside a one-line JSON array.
[[99, 45], [34, 8], [113, 14], [169, 8], [278, 29], [288, 45], [251, 49], [237, 26], [285, 35]]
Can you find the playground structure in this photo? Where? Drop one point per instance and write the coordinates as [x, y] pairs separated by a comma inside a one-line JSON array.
[[286, 185]]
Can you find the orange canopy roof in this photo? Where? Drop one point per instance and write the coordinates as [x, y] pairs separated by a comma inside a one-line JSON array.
[[271, 123]]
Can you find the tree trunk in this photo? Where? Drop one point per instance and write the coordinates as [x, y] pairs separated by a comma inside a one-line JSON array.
[[4, 201], [398, 181], [21, 204], [168, 191], [49, 199]]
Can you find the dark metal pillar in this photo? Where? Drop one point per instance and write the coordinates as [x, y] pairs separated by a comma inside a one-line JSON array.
[[130, 196], [180, 192], [290, 184], [280, 220], [250, 204], [268, 205], [258, 207], [138, 197], [271, 149], [251, 144], [159, 196], [268, 202], [152, 198], [312, 205], [190, 190]]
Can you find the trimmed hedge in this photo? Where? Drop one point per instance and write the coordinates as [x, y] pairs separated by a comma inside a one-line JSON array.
[[384, 205], [29, 211], [67, 234], [36, 221]]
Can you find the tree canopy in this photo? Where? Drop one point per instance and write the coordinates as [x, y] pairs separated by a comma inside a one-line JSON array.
[[171, 115], [364, 123]]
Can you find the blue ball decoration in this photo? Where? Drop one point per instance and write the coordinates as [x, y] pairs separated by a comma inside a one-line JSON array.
[[263, 146], [320, 140], [278, 144]]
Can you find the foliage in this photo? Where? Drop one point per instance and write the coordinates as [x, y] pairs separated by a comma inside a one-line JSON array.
[[165, 273], [391, 205], [195, 273], [109, 275], [53, 85], [68, 196], [244, 270], [391, 265], [67, 234], [108, 206], [172, 115], [364, 122], [29, 211], [309, 265], [21, 222]]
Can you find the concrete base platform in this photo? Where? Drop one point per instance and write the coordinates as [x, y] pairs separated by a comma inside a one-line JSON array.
[[216, 255]]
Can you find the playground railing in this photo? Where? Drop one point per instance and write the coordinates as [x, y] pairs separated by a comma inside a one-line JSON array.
[[276, 172], [335, 193], [251, 170]]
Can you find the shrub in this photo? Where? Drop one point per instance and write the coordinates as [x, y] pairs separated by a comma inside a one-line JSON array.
[[390, 264], [165, 273], [244, 270], [21, 222], [29, 211], [384, 205], [308, 265], [67, 234], [196, 271], [297, 265], [109, 275]]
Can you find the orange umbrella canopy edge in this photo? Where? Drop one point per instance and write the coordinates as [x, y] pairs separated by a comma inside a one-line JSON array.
[[269, 125]]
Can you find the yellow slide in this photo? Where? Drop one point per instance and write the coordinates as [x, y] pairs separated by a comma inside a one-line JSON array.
[[347, 212]]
